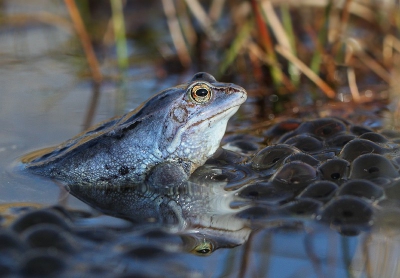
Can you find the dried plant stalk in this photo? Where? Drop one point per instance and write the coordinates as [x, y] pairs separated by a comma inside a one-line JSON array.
[[202, 17], [329, 92], [119, 33], [176, 32], [85, 40]]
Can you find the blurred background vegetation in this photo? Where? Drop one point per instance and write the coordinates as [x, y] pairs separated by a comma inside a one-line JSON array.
[[287, 54]]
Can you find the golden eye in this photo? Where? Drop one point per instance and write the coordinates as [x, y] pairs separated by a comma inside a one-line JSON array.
[[203, 249], [200, 93]]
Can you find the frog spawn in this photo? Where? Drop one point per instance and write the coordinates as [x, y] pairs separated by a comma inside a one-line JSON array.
[[291, 179], [327, 169], [56, 242]]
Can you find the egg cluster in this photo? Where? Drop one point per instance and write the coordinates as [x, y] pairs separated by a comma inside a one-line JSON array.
[[327, 169], [54, 242]]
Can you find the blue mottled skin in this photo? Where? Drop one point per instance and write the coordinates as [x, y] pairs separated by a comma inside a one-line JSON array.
[[182, 125]]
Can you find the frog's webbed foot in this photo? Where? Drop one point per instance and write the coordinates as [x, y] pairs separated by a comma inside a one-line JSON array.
[[167, 175]]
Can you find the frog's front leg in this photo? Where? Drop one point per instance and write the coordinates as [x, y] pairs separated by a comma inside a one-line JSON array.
[[167, 174]]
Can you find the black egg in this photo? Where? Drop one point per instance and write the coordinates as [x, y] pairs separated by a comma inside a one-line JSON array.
[[223, 156], [370, 166], [301, 207], [242, 146], [266, 192], [348, 214], [302, 157], [319, 190], [339, 140], [97, 236], [283, 127], [295, 173], [256, 213], [49, 236], [325, 155], [374, 137], [272, 156], [396, 161], [392, 134], [232, 176], [8, 265], [359, 130], [334, 170], [242, 137], [9, 241], [358, 147], [145, 252], [41, 264], [361, 188], [38, 217], [323, 128], [305, 143]]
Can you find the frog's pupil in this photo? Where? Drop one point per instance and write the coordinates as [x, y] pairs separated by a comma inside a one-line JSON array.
[[201, 92]]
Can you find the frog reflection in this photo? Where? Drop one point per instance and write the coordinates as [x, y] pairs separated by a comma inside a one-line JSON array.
[[200, 212]]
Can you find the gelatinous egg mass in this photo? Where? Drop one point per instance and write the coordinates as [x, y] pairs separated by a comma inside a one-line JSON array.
[[326, 169]]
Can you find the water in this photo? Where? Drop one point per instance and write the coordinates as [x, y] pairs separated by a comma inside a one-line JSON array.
[[261, 232]]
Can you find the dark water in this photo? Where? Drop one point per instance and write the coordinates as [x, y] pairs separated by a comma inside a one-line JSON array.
[[254, 211]]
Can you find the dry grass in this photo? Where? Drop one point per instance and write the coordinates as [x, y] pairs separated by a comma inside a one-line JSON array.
[[272, 46], [85, 40], [276, 35]]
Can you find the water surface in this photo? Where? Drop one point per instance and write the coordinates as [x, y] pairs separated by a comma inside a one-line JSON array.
[[44, 101]]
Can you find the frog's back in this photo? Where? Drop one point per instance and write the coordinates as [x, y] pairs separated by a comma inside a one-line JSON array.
[[90, 157]]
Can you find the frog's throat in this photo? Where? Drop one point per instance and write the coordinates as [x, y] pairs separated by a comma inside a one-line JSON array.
[[176, 141]]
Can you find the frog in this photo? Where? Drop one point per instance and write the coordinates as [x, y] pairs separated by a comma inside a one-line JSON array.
[[167, 137]]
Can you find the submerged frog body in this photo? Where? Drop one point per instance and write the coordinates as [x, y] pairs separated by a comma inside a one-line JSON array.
[[182, 125]]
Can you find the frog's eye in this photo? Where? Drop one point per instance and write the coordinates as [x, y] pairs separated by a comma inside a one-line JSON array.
[[203, 249], [200, 93]]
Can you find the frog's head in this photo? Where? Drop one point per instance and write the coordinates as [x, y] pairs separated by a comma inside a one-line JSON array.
[[198, 117]]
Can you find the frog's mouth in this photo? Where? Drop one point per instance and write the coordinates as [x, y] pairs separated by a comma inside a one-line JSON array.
[[227, 113], [215, 117]]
